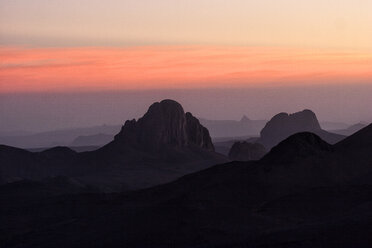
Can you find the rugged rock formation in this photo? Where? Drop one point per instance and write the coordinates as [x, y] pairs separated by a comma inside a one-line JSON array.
[[244, 151], [164, 144], [164, 125], [283, 125]]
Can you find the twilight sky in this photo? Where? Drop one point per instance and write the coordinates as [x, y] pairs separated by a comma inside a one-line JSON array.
[[316, 23], [89, 46]]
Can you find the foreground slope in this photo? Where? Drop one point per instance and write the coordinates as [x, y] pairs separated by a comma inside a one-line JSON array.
[[301, 194]]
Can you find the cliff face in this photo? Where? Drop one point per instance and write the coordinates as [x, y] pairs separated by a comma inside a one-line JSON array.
[[165, 124]]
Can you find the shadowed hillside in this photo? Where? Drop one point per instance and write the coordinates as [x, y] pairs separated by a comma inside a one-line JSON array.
[[303, 193]]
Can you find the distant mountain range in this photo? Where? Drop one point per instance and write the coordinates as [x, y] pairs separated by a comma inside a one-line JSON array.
[[63, 137], [350, 130], [99, 139], [220, 130], [163, 145], [275, 130], [232, 128], [303, 193]]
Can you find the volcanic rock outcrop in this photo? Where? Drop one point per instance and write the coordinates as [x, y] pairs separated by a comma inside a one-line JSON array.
[[165, 125]]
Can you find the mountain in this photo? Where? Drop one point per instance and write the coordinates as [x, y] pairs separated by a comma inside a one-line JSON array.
[[232, 128], [331, 125], [362, 139], [165, 125], [244, 151], [223, 145], [92, 140], [63, 137], [74, 148], [350, 130], [303, 193], [297, 147], [163, 145], [283, 125]]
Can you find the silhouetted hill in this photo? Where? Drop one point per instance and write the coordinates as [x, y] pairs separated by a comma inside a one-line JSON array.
[[74, 148], [312, 198], [163, 145], [244, 151], [359, 140], [296, 147], [17, 164], [283, 125]]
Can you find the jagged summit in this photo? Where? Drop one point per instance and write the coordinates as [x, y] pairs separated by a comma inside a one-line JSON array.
[[283, 125], [305, 120], [165, 124], [300, 145]]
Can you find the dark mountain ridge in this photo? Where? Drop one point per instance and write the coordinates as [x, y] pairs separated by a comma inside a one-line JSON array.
[[362, 139], [297, 146], [283, 125], [308, 199], [161, 146]]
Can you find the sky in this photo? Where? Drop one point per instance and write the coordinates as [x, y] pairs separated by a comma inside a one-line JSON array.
[[93, 48]]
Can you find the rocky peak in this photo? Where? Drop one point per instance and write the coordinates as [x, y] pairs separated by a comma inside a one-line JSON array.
[[283, 125], [165, 124]]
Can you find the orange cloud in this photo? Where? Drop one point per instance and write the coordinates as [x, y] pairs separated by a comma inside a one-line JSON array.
[[70, 69]]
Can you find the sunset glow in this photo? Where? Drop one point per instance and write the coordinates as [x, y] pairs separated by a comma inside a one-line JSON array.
[[93, 68], [119, 45]]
